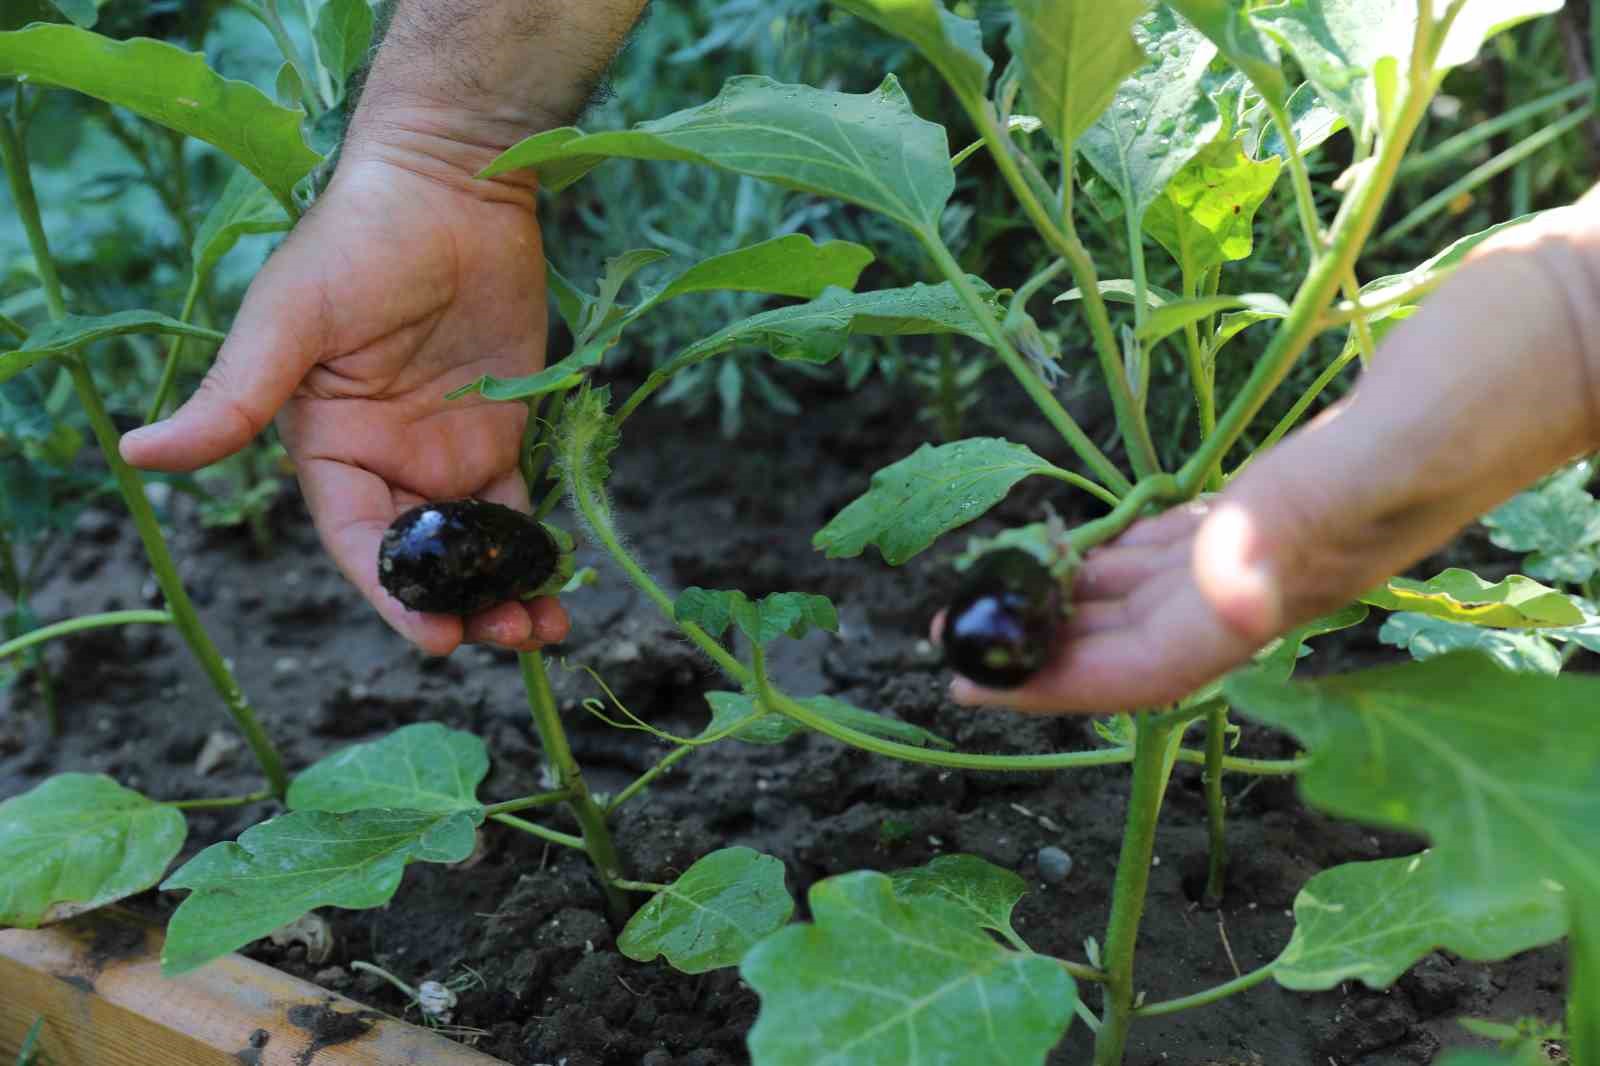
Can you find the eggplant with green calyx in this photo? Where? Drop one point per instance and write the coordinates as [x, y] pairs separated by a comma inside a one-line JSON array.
[[1001, 625], [461, 556]]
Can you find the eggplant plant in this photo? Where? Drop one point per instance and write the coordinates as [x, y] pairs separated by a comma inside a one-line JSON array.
[[1184, 114]]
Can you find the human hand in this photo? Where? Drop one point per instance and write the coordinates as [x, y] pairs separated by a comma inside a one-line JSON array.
[[407, 279], [1495, 382]]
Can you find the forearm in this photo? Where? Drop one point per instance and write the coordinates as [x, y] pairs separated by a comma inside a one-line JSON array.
[[483, 74]]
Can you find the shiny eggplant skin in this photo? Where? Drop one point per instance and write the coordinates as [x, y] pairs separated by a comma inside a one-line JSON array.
[[461, 556], [999, 628]]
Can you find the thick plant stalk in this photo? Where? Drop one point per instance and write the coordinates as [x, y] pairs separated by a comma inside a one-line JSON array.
[[1128, 893], [591, 819]]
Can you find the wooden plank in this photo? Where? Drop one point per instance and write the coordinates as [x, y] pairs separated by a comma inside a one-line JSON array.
[[96, 980]]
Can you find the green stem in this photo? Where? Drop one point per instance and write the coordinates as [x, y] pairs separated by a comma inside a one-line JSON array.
[[1083, 971], [591, 819], [1128, 892], [169, 370], [1452, 148], [949, 400], [640, 886], [1305, 202], [1216, 806], [1200, 379], [643, 781], [184, 616], [1036, 389], [1360, 330], [14, 155], [1484, 171], [1160, 488], [566, 840], [13, 327], [220, 801], [379, 971], [1076, 480], [1350, 231], [1347, 311], [1233, 764], [543, 799], [267, 15], [80, 624], [1307, 398], [1209, 996]]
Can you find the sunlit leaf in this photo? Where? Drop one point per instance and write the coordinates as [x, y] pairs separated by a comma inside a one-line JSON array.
[[1462, 596], [876, 979], [1558, 524], [170, 86], [1278, 659], [867, 148], [1372, 921], [78, 841], [1204, 215], [294, 863], [712, 914], [1074, 56], [1425, 637], [1121, 290], [1228, 25], [419, 767], [935, 489]]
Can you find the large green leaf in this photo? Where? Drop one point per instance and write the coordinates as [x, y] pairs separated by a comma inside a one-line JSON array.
[[1373, 920], [246, 206], [1159, 118], [1462, 596], [294, 863], [712, 914], [1500, 770], [987, 892], [877, 979], [954, 45], [1204, 215], [170, 86], [792, 265], [1558, 524], [1074, 56], [867, 148], [420, 767], [730, 708], [935, 489], [74, 331], [1428, 636], [344, 35], [777, 614], [79, 841], [1228, 25]]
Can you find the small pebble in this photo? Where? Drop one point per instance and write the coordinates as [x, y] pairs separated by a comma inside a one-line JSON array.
[[1054, 865]]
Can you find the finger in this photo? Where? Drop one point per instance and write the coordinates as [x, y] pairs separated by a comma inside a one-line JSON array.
[[506, 624], [1165, 528], [276, 338], [351, 508], [1111, 572]]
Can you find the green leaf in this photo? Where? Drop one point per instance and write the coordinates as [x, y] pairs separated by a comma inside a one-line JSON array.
[[1447, 259], [343, 35], [773, 616], [83, 13], [1311, 121], [866, 148], [1462, 596], [559, 376], [876, 979], [1121, 290], [1228, 26], [793, 265], [246, 206], [728, 708], [954, 45], [1558, 523], [935, 489], [1169, 318], [1204, 215], [712, 914], [1498, 769], [287, 87], [1278, 658], [1074, 56], [1479, 20], [170, 86], [1160, 117], [75, 331], [294, 863], [80, 841], [1425, 637], [987, 892], [420, 767], [1372, 921]]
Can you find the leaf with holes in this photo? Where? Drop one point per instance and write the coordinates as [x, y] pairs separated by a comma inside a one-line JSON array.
[[420, 767], [878, 979], [712, 914]]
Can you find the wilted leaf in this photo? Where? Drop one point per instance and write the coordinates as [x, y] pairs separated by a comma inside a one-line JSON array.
[[1461, 596]]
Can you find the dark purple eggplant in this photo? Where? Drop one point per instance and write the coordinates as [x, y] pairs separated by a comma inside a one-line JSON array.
[[461, 556], [999, 628]]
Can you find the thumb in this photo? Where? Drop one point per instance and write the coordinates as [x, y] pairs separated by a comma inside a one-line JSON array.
[[275, 339]]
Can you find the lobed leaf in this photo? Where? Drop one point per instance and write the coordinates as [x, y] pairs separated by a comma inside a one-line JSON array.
[[172, 87], [1497, 768], [1372, 921], [763, 621], [877, 979], [1461, 596], [935, 489], [419, 767], [1074, 57], [712, 914], [866, 148], [79, 841], [294, 863]]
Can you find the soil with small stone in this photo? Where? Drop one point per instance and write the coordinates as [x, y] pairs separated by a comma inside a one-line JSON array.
[[527, 918]]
